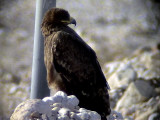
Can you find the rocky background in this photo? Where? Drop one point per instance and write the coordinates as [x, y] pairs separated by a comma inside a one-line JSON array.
[[135, 85], [125, 35]]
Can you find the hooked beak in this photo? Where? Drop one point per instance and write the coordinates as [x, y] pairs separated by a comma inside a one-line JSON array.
[[72, 21]]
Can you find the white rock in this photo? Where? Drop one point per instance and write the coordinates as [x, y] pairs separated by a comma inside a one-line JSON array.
[[154, 116], [59, 97], [82, 110], [55, 111], [57, 105], [74, 116], [137, 92], [44, 117], [25, 109], [63, 118], [44, 110], [72, 101], [123, 76], [64, 111], [112, 66], [115, 116], [48, 100], [83, 116], [53, 117], [94, 115], [13, 89], [79, 115]]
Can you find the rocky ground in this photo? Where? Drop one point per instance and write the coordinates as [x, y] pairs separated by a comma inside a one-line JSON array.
[[123, 33], [135, 85], [135, 92], [57, 107]]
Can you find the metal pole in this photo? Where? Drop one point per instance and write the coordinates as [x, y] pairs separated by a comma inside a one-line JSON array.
[[39, 87]]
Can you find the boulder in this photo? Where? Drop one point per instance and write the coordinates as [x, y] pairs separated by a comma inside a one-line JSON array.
[[124, 75], [137, 92]]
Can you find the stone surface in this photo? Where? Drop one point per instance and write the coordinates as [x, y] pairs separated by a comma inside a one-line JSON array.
[[145, 110], [137, 92], [131, 96], [115, 116], [58, 110], [154, 116], [124, 75], [30, 109], [145, 88], [139, 98]]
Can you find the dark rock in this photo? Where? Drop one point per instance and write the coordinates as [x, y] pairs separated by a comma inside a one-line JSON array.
[[145, 88], [154, 116]]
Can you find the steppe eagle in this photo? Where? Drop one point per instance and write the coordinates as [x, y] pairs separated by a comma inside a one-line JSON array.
[[71, 64]]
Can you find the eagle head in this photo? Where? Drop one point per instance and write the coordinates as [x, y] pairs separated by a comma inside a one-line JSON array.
[[58, 16]]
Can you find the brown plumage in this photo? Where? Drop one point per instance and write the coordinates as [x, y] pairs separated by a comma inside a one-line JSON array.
[[71, 64]]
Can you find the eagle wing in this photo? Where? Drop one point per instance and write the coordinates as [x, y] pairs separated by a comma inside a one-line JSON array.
[[72, 67], [74, 59]]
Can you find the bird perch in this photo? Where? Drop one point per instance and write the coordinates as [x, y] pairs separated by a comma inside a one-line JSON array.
[[39, 88]]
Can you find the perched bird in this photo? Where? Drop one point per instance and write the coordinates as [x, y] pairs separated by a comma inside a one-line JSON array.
[[71, 64]]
